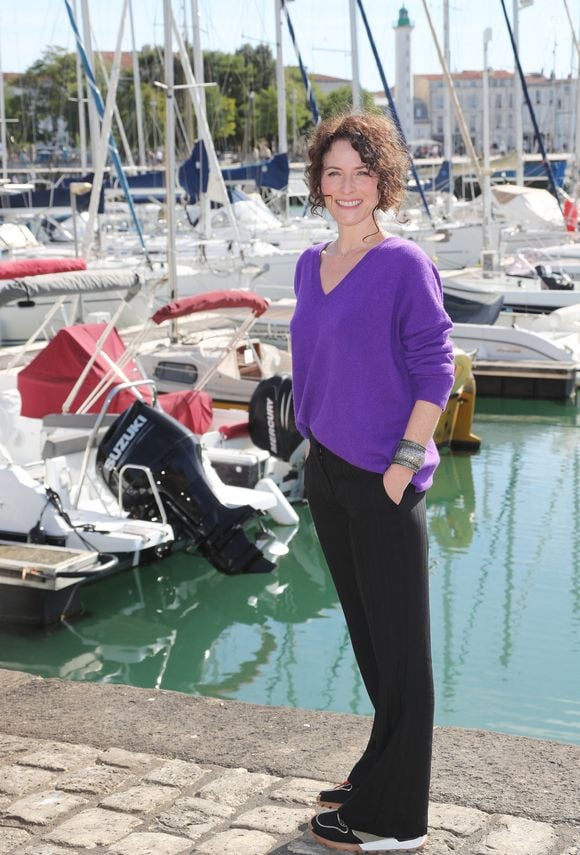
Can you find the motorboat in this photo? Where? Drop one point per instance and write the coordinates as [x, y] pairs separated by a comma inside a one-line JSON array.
[[50, 549], [523, 354], [37, 304], [39, 584], [213, 349], [561, 261], [535, 290], [133, 486]]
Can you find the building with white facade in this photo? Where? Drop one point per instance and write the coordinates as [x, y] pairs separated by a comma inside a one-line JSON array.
[[553, 101]]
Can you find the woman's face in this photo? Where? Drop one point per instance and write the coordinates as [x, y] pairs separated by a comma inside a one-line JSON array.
[[350, 190]]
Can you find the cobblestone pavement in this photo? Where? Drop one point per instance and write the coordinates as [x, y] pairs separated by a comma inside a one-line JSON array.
[[57, 798]]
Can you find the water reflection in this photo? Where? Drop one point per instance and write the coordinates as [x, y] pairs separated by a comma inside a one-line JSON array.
[[451, 513], [165, 626], [451, 503], [505, 578]]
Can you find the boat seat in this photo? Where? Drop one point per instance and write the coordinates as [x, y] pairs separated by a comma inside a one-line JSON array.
[[65, 441], [246, 359], [251, 370]]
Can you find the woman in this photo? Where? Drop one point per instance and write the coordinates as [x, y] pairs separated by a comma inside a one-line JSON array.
[[372, 371]]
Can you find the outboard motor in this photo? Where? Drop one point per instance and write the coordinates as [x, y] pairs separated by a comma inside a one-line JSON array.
[[148, 438], [554, 280], [272, 425]]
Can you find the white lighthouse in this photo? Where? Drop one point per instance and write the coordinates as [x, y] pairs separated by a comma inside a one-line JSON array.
[[403, 76]]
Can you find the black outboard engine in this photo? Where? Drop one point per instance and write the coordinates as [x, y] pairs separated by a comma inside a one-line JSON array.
[[554, 280], [272, 425], [146, 437]]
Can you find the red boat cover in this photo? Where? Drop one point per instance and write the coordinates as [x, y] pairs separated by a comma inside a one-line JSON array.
[[209, 301], [193, 409], [45, 383], [236, 429], [36, 266]]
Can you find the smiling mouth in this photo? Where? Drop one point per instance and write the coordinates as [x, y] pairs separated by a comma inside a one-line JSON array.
[[348, 204]]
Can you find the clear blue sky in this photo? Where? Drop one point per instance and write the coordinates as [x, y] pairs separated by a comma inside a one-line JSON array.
[[322, 28]]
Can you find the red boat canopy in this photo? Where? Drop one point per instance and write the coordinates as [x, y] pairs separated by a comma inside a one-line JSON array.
[[44, 384], [209, 301], [36, 266]]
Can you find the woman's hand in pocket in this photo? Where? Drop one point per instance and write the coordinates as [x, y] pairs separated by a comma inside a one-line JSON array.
[[396, 479]]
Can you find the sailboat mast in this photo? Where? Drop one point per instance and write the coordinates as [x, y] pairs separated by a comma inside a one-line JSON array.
[[307, 85], [518, 104], [486, 186], [575, 124], [94, 124], [280, 83], [81, 107], [577, 132], [447, 111], [204, 202], [170, 149], [104, 138], [137, 87], [356, 101], [198, 55], [3, 134]]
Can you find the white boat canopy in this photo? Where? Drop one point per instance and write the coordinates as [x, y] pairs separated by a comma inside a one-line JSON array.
[[527, 206], [73, 283]]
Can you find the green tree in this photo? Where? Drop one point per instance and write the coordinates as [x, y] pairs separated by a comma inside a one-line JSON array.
[[259, 65], [340, 101], [242, 108], [266, 120], [300, 120], [151, 64], [47, 88], [243, 76], [221, 117], [14, 133], [153, 108]]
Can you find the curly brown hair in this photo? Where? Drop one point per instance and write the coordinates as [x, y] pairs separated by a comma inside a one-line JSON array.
[[380, 147]]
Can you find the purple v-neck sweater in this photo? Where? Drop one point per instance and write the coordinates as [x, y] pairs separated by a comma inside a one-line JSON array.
[[363, 354]]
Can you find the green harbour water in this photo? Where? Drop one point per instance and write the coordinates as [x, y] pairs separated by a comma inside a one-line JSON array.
[[504, 527]]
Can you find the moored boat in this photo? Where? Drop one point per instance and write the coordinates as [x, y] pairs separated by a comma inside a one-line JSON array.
[[39, 584]]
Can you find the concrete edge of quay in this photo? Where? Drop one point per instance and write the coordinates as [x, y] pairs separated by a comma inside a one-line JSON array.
[[493, 772]]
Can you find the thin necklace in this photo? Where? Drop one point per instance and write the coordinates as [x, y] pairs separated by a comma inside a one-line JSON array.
[[355, 249]]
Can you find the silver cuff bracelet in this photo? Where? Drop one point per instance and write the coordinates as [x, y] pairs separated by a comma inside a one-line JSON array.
[[410, 454]]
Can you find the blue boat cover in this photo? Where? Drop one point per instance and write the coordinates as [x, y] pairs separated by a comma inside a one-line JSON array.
[[536, 171], [193, 174], [439, 183], [57, 196]]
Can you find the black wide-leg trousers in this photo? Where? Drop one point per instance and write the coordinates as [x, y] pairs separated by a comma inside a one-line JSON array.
[[376, 551]]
